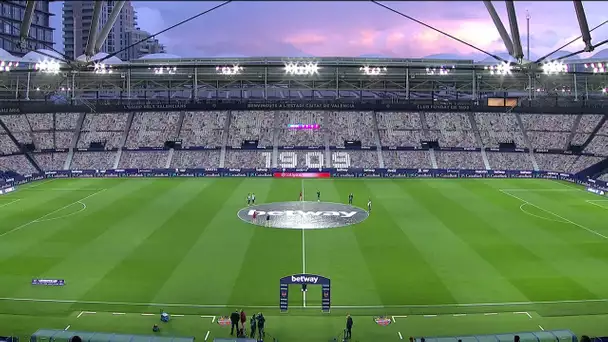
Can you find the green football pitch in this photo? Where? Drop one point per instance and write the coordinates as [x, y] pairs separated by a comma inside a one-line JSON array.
[[439, 257]]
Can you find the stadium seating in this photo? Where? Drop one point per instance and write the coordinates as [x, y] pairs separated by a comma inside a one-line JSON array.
[[131, 131]]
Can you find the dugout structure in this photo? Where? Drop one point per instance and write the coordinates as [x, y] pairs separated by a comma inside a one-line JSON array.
[[537, 336], [305, 279], [43, 335]]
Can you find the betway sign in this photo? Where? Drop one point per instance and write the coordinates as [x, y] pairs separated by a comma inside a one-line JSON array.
[[304, 280], [303, 215]]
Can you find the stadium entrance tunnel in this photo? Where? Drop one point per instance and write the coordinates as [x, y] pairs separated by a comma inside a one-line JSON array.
[[303, 215], [304, 280]]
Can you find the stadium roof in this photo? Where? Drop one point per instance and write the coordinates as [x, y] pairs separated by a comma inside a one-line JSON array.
[[41, 55], [7, 57], [111, 61]]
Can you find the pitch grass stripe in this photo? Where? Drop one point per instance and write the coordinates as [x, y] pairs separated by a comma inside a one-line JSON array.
[[219, 306], [48, 214]]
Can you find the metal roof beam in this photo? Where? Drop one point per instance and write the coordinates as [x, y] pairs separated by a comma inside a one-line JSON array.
[[118, 5], [27, 22], [93, 33], [582, 23], [518, 52], [500, 27]]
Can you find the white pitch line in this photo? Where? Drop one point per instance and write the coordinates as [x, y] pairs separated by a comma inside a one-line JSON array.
[[213, 319], [48, 214], [90, 312], [490, 313], [66, 328], [303, 252], [147, 314], [118, 313], [207, 335], [556, 215], [39, 183], [80, 314], [588, 201], [177, 315], [539, 190], [428, 316], [393, 318], [221, 306], [459, 315], [523, 313], [11, 202], [541, 328], [400, 336]]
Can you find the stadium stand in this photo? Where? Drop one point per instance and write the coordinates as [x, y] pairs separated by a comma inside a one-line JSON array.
[[195, 159], [53, 135], [251, 125], [200, 129]]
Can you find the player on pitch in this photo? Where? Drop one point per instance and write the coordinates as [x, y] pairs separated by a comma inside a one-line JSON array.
[[300, 196]]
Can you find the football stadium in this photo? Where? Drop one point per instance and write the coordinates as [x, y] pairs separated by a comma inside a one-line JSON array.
[[163, 198]]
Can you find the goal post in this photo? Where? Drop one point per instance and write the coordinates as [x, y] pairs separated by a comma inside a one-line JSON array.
[[305, 279]]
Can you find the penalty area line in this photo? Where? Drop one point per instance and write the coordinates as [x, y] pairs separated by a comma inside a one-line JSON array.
[[41, 218], [556, 215]]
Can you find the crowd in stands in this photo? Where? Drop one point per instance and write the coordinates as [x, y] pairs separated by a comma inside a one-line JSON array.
[[459, 160], [343, 126], [270, 128], [203, 129], [509, 161], [195, 159], [407, 159], [99, 160], [293, 137], [251, 125]]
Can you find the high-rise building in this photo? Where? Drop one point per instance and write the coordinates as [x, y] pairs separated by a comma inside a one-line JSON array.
[[147, 46], [77, 19], [11, 16]]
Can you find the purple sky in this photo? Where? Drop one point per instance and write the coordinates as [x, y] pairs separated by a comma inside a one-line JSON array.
[[324, 28]]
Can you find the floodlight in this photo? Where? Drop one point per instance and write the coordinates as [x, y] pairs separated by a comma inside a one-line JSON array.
[[165, 70], [440, 71], [605, 90], [554, 67], [501, 69], [306, 69], [48, 67], [597, 68], [229, 70], [372, 71], [101, 68], [8, 66]]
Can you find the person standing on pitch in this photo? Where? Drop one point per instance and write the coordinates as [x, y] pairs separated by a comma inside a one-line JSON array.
[[234, 320], [369, 205], [261, 322], [252, 326], [349, 327], [252, 198], [350, 198], [243, 321], [318, 196]]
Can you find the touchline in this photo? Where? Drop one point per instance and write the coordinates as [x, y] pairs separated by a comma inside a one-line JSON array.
[[344, 214]]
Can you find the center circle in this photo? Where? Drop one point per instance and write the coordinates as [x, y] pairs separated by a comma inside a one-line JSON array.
[[303, 215]]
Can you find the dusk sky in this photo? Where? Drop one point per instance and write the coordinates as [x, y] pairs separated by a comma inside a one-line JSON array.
[[351, 29]]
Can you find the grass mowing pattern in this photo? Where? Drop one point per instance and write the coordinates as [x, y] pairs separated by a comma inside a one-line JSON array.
[[430, 247]]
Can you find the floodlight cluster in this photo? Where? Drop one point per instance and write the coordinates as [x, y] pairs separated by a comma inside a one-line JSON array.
[[441, 71], [229, 70], [554, 67], [48, 67], [373, 71], [605, 90], [8, 66], [502, 69], [165, 70], [101, 68], [597, 68], [301, 69]]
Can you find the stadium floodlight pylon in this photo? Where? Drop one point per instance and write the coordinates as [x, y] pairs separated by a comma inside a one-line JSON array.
[[8, 66], [597, 68], [554, 67]]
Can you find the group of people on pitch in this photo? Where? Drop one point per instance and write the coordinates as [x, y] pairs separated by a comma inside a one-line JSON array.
[[238, 320]]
